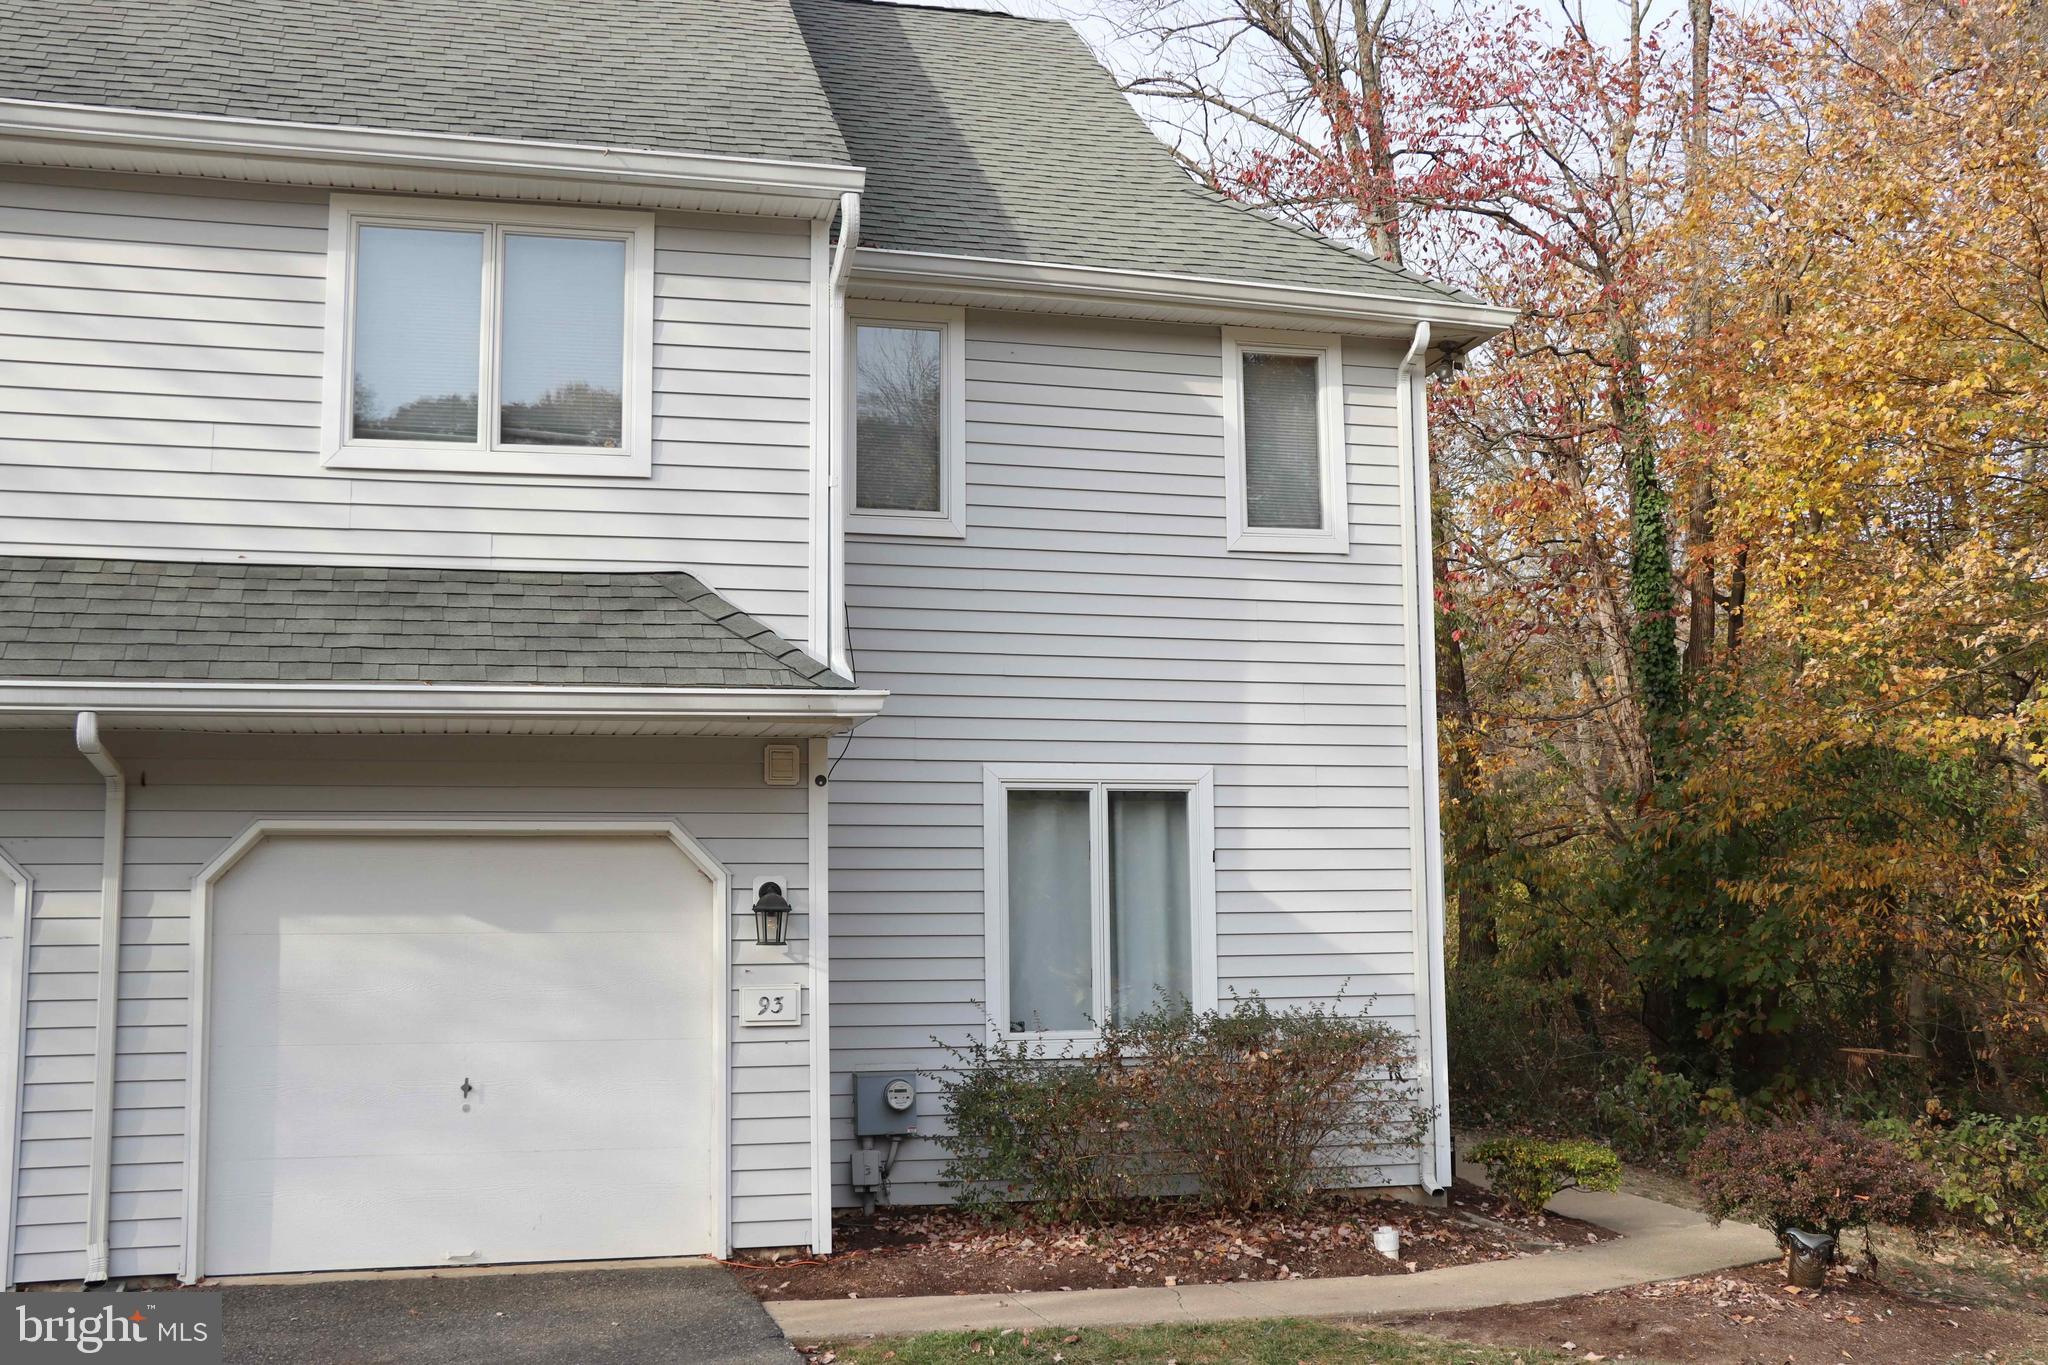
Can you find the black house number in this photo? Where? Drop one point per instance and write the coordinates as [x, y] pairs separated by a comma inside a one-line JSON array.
[[770, 1005]]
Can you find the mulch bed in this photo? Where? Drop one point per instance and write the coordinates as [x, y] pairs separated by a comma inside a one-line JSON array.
[[1742, 1315], [938, 1251]]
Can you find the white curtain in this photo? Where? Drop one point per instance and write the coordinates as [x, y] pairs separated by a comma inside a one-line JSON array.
[[1052, 959], [1151, 952]]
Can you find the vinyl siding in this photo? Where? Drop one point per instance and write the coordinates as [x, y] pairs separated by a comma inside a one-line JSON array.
[[1093, 614], [190, 795], [160, 384]]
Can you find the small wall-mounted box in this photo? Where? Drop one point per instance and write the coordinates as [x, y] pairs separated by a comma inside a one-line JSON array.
[[884, 1103]]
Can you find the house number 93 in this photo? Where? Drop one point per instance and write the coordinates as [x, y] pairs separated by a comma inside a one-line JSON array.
[[770, 1005]]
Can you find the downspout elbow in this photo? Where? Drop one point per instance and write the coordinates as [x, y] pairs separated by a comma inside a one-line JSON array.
[[113, 860]]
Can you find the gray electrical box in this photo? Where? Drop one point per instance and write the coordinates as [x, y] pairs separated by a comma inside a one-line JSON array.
[[884, 1103]]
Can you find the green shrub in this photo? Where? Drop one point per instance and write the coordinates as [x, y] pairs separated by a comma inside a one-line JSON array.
[[1246, 1108], [1656, 1116], [1990, 1171], [1515, 1049], [1530, 1172], [1820, 1174], [1025, 1122]]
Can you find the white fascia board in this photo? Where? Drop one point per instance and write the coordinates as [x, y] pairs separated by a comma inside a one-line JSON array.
[[210, 134], [999, 278], [59, 697]]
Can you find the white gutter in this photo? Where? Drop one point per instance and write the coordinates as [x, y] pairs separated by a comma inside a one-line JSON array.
[[839, 422], [210, 134], [1425, 813], [113, 859], [137, 700], [1017, 280]]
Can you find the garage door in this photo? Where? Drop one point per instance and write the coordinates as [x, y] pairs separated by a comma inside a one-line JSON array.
[[433, 1050]]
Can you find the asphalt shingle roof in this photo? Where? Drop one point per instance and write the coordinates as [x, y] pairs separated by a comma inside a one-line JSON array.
[[988, 135], [728, 77], [293, 623]]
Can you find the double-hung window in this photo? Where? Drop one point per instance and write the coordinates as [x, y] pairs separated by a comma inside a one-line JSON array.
[[1100, 892], [484, 338], [1283, 410], [909, 420]]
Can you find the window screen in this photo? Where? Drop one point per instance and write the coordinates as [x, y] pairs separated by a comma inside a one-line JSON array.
[[418, 327], [897, 457], [1283, 461], [562, 341]]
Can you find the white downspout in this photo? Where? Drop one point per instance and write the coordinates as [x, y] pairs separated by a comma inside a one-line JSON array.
[[113, 858], [839, 423], [1425, 809]]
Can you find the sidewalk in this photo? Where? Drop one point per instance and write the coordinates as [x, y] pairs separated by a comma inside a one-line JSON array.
[[1657, 1242]]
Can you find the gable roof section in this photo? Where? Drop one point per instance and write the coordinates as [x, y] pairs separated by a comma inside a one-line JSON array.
[[702, 76], [79, 619], [993, 136]]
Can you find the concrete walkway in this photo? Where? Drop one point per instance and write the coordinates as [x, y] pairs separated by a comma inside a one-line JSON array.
[[1657, 1242]]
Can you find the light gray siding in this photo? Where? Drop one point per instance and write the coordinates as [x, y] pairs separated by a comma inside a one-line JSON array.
[[190, 795], [160, 381], [1093, 614]]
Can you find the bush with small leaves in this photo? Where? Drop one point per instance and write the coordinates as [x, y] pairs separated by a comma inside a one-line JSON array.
[[1992, 1171], [1820, 1174], [1530, 1172]]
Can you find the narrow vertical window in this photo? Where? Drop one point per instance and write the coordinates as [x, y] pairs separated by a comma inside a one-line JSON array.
[[1283, 445], [897, 430], [1052, 941]]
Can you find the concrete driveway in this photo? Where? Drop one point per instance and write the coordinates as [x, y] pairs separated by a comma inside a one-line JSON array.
[[691, 1313]]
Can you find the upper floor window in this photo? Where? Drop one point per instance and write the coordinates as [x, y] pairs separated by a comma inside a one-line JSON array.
[[1283, 408], [909, 420], [1101, 894], [506, 339]]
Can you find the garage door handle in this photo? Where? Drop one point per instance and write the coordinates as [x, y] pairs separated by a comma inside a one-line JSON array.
[[466, 1087]]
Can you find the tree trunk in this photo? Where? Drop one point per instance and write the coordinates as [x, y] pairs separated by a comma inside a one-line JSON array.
[[1699, 513]]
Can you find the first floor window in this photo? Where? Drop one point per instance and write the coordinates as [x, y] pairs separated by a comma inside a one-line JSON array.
[[1283, 415], [909, 424], [510, 339], [1103, 885]]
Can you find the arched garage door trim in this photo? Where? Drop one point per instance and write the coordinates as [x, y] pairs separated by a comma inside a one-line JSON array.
[[191, 1260]]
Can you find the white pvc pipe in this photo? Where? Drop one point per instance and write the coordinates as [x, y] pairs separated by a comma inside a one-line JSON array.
[[1428, 843], [113, 858]]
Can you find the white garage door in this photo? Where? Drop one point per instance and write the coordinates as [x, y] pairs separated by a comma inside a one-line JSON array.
[[432, 1050]]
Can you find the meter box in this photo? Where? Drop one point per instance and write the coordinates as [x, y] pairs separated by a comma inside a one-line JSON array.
[[884, 1103]]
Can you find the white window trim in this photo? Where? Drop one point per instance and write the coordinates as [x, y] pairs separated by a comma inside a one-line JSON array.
[[1334, 535], [998, 780], [951, 518], [633, 458]]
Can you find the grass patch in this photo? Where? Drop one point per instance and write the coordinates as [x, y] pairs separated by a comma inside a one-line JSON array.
[[1281, 1341]]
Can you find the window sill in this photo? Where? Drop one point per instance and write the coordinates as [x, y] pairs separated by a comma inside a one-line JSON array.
[[927, 524], [429, 459], [1336, 542]]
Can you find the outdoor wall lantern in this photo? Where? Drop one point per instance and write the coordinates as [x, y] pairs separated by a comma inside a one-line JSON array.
[[771, 916]]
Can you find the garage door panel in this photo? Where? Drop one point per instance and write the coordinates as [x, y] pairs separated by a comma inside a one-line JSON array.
[[358, 980], [366, 1213], [296, 1103], [456, 884], [398, 987]]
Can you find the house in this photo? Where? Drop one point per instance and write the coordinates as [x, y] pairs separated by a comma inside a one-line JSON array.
[[492, 493]]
